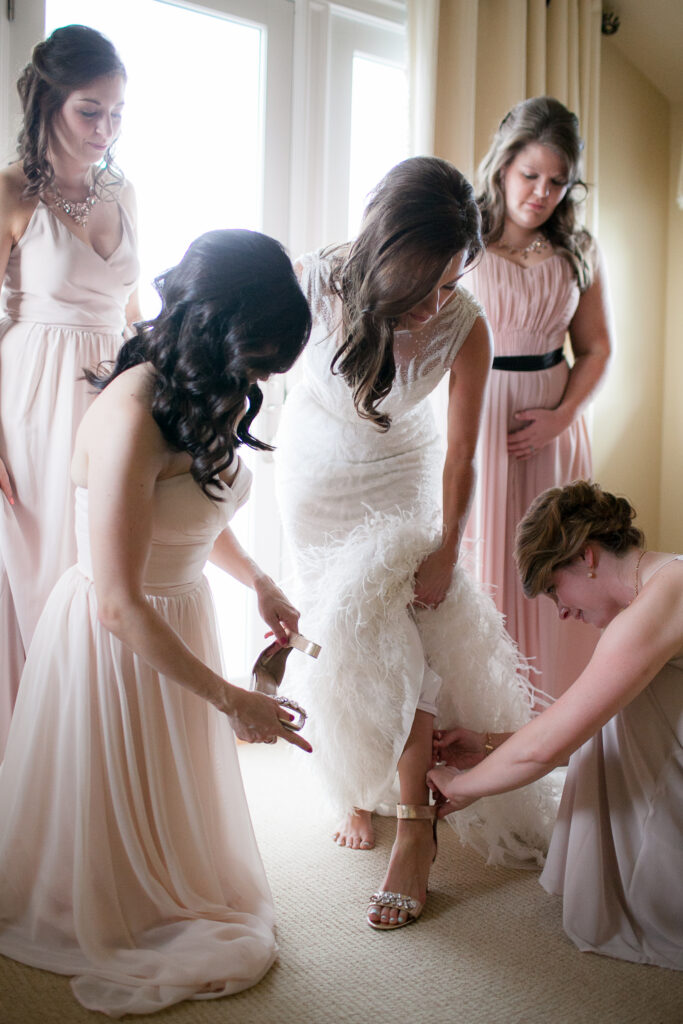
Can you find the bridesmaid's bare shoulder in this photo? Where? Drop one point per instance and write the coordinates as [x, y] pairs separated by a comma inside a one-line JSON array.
[[15, 210], [128, 394], [121, 414]]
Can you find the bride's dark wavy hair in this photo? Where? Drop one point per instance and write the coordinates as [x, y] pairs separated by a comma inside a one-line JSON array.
[[232, 310], [421, 214], [69, 59]]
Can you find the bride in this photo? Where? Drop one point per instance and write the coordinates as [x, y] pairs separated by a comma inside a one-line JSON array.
[[374, 514]]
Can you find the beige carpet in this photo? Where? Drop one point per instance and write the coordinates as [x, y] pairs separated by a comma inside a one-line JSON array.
[[489, 948]]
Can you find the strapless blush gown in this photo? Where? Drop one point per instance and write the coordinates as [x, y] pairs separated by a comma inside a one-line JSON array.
[[62, 309], [127, 856]]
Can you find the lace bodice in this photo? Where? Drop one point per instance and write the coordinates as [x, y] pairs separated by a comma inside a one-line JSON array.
[[421, 358]]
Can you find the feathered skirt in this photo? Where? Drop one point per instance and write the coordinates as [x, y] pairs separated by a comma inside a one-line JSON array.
[[362, 693]]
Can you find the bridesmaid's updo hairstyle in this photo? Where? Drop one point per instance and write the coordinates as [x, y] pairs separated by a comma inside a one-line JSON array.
[[546, 121], [559, 524], [418, 218], [67, 60], [232, 311]]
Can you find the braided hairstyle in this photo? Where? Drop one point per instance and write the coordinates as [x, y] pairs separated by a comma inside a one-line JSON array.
[[559, 524], [67, 60], [232, 311]]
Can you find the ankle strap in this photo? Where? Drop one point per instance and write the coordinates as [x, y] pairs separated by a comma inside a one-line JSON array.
[[416, 811], [302, 644]]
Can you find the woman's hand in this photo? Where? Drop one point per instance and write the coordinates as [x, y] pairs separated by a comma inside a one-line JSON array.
[[256, 718], [443, 782], [459, 748], [275, 609], [542, 426], [433, 578], [5, 483]]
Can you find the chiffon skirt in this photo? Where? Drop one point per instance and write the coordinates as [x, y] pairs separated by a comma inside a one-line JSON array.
[[42, 401], [616, 853], [557, 651], [127, 856]]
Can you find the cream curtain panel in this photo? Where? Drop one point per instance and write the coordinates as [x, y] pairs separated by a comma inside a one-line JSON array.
[[494, 53], [423, 47]]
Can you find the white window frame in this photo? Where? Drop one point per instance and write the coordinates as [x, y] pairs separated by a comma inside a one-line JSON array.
[[310, 47], [326, 36]]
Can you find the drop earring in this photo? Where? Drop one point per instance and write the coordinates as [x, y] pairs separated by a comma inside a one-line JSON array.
[[590, 574]]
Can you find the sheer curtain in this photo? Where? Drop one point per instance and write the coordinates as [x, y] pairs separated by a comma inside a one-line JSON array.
[[494, 53]]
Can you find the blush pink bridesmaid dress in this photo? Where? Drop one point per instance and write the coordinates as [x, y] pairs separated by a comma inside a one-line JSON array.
[[127, 855], [529, 309], [62, 309]]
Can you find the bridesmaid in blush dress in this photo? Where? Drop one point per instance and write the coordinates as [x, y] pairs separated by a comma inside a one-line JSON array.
[[616, 855], [69, 267], [127, 857], [540, 278]]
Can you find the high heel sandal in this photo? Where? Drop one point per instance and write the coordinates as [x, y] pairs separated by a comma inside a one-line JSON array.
[[397, 900], [269, 669]]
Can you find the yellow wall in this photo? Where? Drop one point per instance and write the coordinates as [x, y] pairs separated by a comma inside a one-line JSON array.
[[637, 422], [671, 491], [633, 202]]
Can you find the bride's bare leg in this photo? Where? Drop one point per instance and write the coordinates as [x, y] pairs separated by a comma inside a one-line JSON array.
[[413, 850], [356, 831]]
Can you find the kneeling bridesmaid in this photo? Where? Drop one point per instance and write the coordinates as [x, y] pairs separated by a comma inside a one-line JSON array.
[[616, 853]]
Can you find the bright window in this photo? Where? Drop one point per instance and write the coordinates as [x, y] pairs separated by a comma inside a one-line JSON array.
[[194, 153], [238, 117], [379, 128], [193, 145]]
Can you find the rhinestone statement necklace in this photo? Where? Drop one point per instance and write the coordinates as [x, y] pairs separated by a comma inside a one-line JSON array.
[[539, 243], [77, 211]]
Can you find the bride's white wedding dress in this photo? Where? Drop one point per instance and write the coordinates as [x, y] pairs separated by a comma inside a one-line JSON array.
[[361, 509], [127, 856]]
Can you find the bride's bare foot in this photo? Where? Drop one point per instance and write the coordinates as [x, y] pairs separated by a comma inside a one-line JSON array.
[[356, 831], [408, 872]]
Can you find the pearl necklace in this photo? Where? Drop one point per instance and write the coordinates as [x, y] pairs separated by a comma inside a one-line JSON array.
[[77, 211], [538, 244]]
